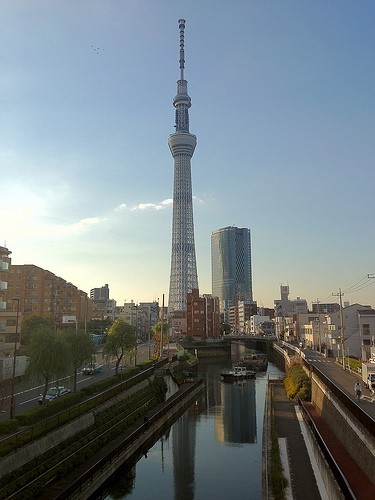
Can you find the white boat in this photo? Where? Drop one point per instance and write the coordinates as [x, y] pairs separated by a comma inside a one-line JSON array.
[[239, 372]]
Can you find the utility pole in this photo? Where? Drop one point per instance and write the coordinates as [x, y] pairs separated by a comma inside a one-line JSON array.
[[161, 329], [340, 294], [319, 336]]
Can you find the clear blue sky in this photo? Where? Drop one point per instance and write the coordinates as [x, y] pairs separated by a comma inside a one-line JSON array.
[[283, 98]]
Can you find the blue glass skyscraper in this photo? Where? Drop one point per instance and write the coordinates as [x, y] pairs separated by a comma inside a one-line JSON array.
[[231, 266]]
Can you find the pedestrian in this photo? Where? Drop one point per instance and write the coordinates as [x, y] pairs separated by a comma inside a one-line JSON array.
[[357, 390]]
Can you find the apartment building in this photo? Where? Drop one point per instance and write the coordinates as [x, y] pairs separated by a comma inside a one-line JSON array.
[[10, 328], [245, 310], [142, 316], [42, 293], [202, 316]]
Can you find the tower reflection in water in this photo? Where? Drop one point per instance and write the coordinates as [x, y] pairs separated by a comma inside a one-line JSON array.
[[184, 437], [186, 460]]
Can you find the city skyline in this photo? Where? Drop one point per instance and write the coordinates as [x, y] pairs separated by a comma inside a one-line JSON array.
[[283, 109]]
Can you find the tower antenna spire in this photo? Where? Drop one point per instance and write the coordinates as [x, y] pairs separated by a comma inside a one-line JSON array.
[[181, 25]]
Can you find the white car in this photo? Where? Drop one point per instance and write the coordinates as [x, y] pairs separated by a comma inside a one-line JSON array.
[[53, 393], [91, 369]]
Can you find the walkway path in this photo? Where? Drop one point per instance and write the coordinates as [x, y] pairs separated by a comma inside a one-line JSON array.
[[303, 481], [301, 475]]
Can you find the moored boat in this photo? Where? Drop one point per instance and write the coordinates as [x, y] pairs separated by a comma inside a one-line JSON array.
[[239, 372], [257, 362]]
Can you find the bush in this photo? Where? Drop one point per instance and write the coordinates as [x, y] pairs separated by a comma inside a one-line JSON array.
[[99, 386], [297, 383], [146, 364], [34, 415], [7, 426], [159, 388], [129, 372]]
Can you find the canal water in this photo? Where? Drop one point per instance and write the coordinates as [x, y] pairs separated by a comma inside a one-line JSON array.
[[213, 451]]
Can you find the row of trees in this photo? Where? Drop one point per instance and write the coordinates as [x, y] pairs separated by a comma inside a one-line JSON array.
[[55, 354]]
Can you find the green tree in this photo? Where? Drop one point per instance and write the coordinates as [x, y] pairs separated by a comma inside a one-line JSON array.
[[225, 329], [156, 336], [82, 349], [49, 357], [120, 340], [99, 326], [30, 325]]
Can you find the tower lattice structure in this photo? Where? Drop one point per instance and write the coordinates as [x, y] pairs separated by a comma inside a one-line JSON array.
[[183, 278]]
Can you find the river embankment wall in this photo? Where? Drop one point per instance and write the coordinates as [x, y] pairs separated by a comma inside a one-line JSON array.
[[28, 452], [129, 445]]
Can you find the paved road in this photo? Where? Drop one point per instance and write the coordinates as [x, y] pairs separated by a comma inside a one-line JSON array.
[[344, 379], [27, 393]]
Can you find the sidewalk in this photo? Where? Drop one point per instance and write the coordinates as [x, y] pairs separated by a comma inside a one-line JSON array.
[[302, 478]]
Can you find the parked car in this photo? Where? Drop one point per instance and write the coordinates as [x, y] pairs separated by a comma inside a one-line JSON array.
[[53, 393]]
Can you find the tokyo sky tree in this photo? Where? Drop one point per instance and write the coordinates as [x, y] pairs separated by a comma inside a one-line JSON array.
[[182, 145]]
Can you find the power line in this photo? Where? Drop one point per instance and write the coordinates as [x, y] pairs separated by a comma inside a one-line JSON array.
[[362, 287], [355, 284]]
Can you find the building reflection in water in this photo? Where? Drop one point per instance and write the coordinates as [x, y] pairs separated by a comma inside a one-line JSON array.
[[231, 409], [237, 421], [232, 404]]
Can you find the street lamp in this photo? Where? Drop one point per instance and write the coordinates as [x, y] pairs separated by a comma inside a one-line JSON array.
[[13, 399]]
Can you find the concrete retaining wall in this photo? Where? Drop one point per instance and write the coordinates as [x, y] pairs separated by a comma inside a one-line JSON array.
[[23, 455], [28, 452], [99, 478]]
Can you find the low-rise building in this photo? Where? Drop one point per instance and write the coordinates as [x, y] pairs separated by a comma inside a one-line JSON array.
[[245, 310], [286, 312], [202, 316], [358, 322], [286, 307], [254, 321]]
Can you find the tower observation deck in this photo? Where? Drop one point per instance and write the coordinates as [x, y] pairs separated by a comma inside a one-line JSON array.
[[183, 278]]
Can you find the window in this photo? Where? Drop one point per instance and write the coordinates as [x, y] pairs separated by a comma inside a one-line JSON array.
[[365, 329]]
